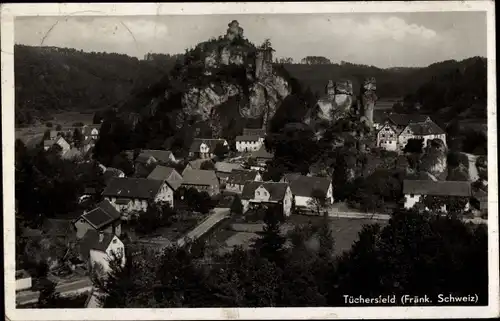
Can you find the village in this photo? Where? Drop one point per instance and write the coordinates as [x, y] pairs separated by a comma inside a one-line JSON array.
[[230, 179]]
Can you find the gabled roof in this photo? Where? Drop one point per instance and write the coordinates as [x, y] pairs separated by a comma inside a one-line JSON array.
[[427, 128], [240, 177], [102, 215], [260, 132], [276, 190], [49, 142], [87, 129], [247, 138], [262, 153], [210, 142], [200, 177], [159, 155], [196, 164], [126, 187], [405, 119], [437, 188], [163, 173], [92, 241], [480, 195], [144, 158], [307, 185], [112, 172], [380, 116], [227, 167]]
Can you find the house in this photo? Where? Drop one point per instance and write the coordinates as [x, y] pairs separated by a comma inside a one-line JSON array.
[[261, 156], [60, 141], [168, 174], [202, 180], [306, 189], [98, 249], [136, 194], [87, 144], [387, 137], [160, 156], [258, 193], [400, 121], [260, 132], [53, 134], [23, 280], [205, 147], [379, 118], [72, 154], [195, 164], [103, 218], [416, 190], [248, 143], [427, 131], [238, 178], [223, 170], [91, 131]]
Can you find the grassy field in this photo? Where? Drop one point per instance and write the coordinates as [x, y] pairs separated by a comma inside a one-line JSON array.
[[344, 230]]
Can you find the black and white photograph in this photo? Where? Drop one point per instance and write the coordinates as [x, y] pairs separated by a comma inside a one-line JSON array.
[[320, 159]]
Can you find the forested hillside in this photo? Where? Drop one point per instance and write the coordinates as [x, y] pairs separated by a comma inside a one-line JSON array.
[[50, 79]]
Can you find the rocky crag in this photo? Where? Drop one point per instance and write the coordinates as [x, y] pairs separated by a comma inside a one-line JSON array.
[[434, 159], [226, 78]]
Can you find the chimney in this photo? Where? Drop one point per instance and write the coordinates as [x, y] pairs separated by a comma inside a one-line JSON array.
[[101, 237]]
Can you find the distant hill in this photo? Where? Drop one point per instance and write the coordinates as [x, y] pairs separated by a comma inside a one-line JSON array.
[[50, 79]]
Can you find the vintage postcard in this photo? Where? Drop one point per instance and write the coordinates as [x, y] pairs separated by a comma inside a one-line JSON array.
[[250, 160]]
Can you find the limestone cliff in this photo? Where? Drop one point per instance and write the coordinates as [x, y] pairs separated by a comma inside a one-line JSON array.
[[434, 159]]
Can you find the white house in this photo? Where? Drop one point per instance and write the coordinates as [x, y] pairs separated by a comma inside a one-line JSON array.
[[416, 190], [307, 189], [261, 157], [427, 131], [136, 194], [161, 156], [23, 280], [247, 143], [205, 147], [257, 193], [91, 131], [387, 138], [98, 249]]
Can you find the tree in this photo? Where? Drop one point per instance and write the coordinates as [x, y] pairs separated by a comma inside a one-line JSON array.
[[46, 135], [207, 165], [49, 124], [414, 145], [49, 297], [237, 206], [77, 137], [271, 244], [97, 118], [78, 124], [221, 151], [58, 127], [317, 200]]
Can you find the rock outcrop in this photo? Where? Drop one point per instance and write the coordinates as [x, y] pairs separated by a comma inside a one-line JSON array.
[[434, 159], [367, 101]]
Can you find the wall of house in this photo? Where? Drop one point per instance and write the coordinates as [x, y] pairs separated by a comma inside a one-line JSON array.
[[287, 202], [246, 205], [64, 145], [261, 195], [134, 205], [166, 194], [23, 284], [302, 201], [411, 200], [329, 194], [236, 188], [248, 146]]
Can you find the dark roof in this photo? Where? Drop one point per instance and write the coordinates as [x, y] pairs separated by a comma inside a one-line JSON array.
[[405, 119], [58, 227], [102, 215], [91, 241], [123, 201], [111, 172], [49, 142], [247, 138], [144, 158], [200, 177], [159, 155], [163, 173], [240, 177], [427, 128], [210, 142], [437, 188], [380, 116], [196, 164], [306, 185], [89, 191], [126, 187], [262, 153], [260, 132], [227, 167], [276, 190], [480, 195]]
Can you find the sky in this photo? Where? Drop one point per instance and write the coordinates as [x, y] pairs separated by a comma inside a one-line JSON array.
[[380, 39]]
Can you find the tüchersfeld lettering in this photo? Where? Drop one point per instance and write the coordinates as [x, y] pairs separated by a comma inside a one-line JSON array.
[[450, 298], [381, 299]]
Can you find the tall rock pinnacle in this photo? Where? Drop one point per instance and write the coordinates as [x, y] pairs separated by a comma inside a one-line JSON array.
[[368, 99]]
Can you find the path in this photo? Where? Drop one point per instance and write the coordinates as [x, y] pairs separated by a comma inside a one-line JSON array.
[[202, 228], [79, 286]]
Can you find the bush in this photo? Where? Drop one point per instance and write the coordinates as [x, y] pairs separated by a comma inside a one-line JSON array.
[[49, 125]]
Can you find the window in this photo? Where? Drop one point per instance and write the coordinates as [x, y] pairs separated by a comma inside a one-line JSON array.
[[258, 193]]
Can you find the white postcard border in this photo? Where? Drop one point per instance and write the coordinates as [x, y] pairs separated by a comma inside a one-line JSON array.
[[9, 11]]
